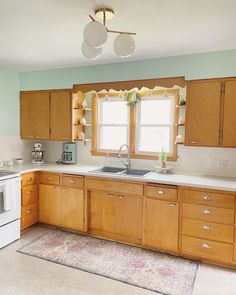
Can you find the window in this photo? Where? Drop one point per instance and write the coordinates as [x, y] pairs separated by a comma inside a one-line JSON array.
[[147, 128], [155, 122], [113, 123]]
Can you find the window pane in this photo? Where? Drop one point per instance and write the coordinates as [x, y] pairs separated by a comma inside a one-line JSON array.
[[154, 139], [155, 112], [111, 138], [114, 112]]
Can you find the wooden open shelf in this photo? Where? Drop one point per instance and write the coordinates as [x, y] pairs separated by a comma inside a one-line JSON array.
[[83, 109], [83, 140]]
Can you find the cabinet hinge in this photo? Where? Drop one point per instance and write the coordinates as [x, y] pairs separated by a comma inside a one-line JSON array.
[[221, 134]]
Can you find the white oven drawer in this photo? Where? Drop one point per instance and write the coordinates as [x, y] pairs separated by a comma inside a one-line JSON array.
[[9, 233]]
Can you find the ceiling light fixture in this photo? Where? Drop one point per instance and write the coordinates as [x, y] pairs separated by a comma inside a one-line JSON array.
[[95, 35]]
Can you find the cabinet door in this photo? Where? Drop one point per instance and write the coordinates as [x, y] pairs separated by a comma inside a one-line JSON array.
[[60, 115], [203, 113], [49, 204], [129, 217], [102, 211], [229, 118], [72, 208], [161, 224], [34, 115], [26, 109]]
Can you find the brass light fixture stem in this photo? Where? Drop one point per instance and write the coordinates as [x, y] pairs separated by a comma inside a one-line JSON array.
[[104, 17], [120, 32], [92, 18]]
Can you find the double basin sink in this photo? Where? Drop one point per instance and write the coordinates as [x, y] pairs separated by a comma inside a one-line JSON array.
[[122, 171]]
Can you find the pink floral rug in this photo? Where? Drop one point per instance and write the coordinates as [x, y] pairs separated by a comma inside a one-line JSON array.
[[146, 269]]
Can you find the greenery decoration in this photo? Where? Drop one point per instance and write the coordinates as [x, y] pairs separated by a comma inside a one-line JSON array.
[[132, 97]]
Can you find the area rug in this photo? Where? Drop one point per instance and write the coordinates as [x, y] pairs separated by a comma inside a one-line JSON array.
[[143, 268]]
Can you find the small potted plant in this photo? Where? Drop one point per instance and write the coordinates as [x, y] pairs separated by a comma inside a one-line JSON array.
[[132, 97], [163, 158]]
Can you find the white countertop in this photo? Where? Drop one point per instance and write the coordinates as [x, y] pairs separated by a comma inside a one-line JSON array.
[[202, 181]]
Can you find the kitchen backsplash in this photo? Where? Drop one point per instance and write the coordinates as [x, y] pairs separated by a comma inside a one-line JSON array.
[[210, 161]]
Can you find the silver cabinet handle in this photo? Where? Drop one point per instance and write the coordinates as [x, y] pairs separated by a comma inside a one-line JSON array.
[[120, 197], [29, 211], [172, 204], [29, 179], [111, 195], [29, 193], [49, 178], [206, 246], [194, 142], [206, 227], [71, 181], [161, 192], [207, 211], [207, 198]]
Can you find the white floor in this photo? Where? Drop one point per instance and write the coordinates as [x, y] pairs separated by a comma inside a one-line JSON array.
[[24, 275]]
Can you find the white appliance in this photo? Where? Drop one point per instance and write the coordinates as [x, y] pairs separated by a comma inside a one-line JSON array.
[[10, 207]]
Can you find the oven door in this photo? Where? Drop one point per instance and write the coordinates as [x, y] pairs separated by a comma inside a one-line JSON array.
[[13, 214]]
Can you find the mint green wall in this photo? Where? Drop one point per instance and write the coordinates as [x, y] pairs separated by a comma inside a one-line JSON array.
[[205, 65], [9, 103]]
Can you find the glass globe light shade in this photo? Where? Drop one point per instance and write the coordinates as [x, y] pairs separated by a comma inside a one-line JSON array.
[[124, 45], [95, 34], [90, 52]]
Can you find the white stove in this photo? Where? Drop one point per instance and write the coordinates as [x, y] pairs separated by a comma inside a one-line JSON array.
[[10, 206]]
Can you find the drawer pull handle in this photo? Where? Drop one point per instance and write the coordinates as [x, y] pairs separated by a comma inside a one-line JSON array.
[[29, 179], [29, 211], [194, 142], [172, 204], [206, 246], [207, 198], [111, 195], [207, 211], [161, 192], [29, 193], [49, 178], [206, 227], [120, 197], [71, 181]]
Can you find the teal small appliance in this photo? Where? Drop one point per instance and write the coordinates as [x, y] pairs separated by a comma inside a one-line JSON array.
[[69, 153]]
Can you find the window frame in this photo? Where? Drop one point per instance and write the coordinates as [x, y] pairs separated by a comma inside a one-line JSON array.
[[133, 127]]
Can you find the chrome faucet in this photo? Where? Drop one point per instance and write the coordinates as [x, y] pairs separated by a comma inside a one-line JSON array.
[[126, 163]]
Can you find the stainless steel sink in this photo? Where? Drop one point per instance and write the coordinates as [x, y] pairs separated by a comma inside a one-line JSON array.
[[108, 170], [122, 171], [136, 172]]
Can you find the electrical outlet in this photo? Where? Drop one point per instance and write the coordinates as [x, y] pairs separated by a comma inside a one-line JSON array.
[[223, 164]]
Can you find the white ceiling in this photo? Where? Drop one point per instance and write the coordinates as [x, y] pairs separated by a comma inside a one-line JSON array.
[[42, 34]]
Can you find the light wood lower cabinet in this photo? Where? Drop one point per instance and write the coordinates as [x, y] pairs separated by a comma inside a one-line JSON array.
[[161, 225], [49, 204], [72, 208], [117, 215]]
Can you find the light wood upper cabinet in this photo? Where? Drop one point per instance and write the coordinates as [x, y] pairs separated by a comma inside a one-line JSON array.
[[46, 115], [34, 115], [161, 224], [60, 115], [203, 113], [72, 208], [229, 117], [49, 204]]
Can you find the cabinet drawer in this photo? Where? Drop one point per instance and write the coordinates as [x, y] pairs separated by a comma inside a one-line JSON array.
[[48, 178], [161, 192], [29, 195], [207, 230], [112, 186], [215, 251], [28, 179], [29, 215], [207, 198], [218, 215], [72, 181]]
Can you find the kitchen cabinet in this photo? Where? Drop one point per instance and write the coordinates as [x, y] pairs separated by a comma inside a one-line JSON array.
[[60, 115], [61, 206], [228, 132], [116, 215], [161, 224], [203, 113], [34, 115], [46, 115], [49, 204], [72, 208]]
